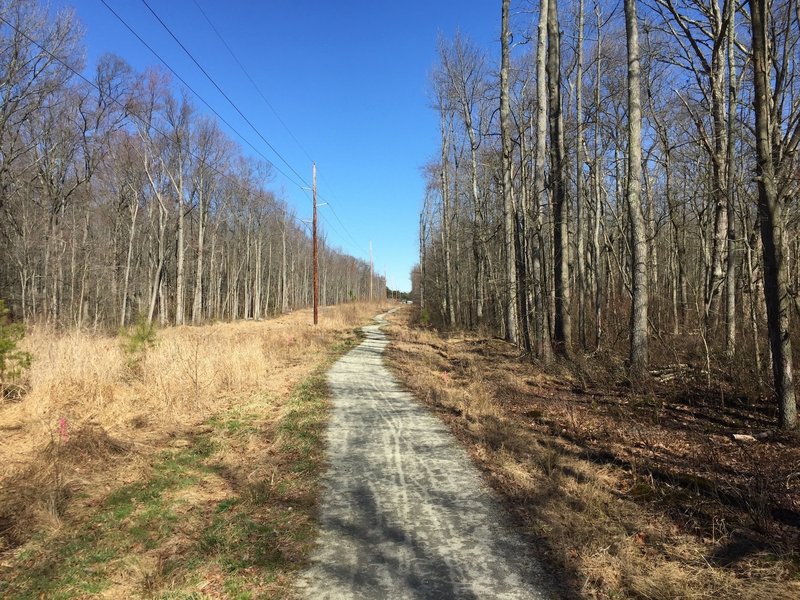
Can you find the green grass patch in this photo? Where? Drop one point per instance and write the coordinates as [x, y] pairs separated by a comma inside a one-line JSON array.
[[238, 422], [132, 519]]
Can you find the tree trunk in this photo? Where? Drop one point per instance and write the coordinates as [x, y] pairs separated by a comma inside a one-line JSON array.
[[580, 204], [597, 171], [512, 311], [422, 260], [540, 296], [284, 282], [180, 271], [156, 286], [638, 333], [449, 314], [128, 258], [197, 303], [730, 282], [562, 338], [771, 224]]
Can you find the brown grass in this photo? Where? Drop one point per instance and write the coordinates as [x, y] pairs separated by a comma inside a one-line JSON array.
[[620, 500], [90, 422]]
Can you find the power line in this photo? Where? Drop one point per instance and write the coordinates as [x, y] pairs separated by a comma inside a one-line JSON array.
[[330, 225], [275, 112], [233, 104], [199, 97], [251, 80], [221, 91], [331, 228], [335, 214], [200, 160], [263, 97]]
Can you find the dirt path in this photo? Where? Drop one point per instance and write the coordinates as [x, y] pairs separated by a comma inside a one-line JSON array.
[[404, 513]]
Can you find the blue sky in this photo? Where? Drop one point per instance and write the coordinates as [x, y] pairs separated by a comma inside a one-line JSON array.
[[350, 80]]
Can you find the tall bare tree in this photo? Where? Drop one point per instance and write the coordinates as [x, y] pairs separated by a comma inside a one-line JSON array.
[[512, 293], [541, 305], [639, 279], [770, 208], [562, 334]]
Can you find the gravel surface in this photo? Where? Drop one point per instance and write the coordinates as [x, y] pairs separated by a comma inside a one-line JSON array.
[[404, 512]]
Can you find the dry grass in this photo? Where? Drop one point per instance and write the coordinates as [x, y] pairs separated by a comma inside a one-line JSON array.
[[585, 493], [93, 419]]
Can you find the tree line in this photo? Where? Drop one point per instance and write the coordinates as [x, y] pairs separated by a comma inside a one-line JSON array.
[[622, 180], [119, 200]]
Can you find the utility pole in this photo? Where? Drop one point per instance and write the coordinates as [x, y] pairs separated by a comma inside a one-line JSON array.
[[316, 256], [371, 275]]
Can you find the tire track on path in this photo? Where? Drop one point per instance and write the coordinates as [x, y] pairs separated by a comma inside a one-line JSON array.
[[405, 514]]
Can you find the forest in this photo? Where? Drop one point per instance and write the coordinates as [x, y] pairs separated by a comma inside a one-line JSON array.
[[609, 268], [617, 186], [120, 200]]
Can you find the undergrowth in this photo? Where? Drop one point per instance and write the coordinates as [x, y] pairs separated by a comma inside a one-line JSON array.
[[219, 506], [624, 493], [135, 341], [166, 535], [13, 360]]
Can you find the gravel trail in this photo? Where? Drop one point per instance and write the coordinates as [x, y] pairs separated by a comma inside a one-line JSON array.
[[404, 513]]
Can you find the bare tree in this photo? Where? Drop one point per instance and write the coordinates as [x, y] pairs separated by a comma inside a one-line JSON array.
[[770, 207], [580, 204], [562, 335], [542, 326], [445, 130], [512, 293], [464, 67], [639, 280], [701, 29]]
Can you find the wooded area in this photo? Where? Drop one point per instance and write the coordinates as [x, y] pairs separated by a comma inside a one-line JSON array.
[[623, 185], [120, 200]]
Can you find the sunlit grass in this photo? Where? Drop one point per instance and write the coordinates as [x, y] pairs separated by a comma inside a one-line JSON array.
[[214, 493]]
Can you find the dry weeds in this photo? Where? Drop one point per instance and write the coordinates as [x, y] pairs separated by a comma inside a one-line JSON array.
[[579, 470], [91, 423]]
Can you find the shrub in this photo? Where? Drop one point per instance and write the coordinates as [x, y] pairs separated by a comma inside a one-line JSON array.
[[13, 361], [424, 317], [135, 342]]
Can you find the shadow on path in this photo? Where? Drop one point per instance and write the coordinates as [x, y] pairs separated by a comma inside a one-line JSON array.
[[405, 514]]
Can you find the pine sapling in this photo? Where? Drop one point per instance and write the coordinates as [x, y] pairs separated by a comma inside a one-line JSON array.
[[13, 361], [135, 342]]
